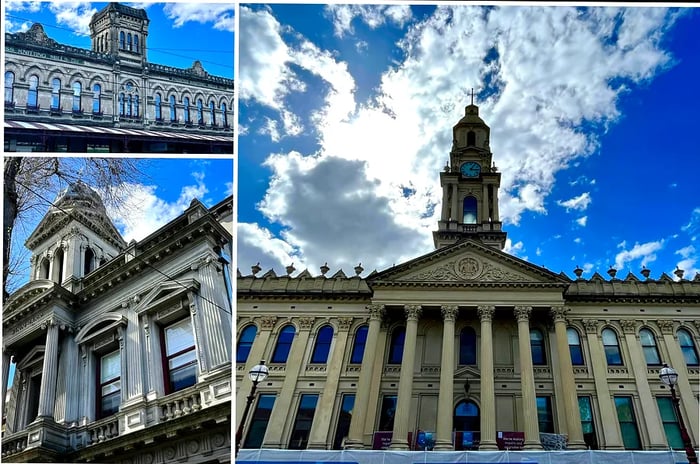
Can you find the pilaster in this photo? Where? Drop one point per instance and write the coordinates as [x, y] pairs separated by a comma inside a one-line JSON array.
[[447, 368], [265, 325], [527, 379], [133, 358], [6, 359], [214, 315], [47, 392], [488, 395]]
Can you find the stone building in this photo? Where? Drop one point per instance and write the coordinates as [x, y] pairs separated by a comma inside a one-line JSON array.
[[111, 98], [467, 347], [122, 351]]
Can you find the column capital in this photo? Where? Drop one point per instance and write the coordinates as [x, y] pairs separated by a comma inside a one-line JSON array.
[[267, 322], [344, 323], [666, 326], [485, 312], [376, 311], [522, 313], [558, 313], [413, 312], [449, 312], [305, 323], [591, 325], [628, 326], [697, 324]]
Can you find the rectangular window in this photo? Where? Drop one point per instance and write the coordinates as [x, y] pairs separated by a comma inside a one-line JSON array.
[[586, 412], [386, 418], [303, 421], [109, 393], [628, 423], [544, 414], [258, 424], [33, 398], [180, 356], [670, 421], [344, 419]]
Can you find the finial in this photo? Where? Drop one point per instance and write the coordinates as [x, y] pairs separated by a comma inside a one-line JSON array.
[[324, 269], [578, 271], [447, 166], [290, 269], [472, 95], [256, 268], [359, 269], [611, 272], [679, 273], [645, 272]]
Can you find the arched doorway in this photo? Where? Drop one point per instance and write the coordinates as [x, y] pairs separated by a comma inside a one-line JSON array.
[[466, 423]]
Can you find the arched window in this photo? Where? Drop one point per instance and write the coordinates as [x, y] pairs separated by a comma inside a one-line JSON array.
[[55, 93], [128, 105], [398, 337], [471, 139], [121, 40], [687, 347], [467, 346], [200, 116], [212, 113], [173, 114], [537, 347], [469, 210], [574, 347], [186, 105], [33, 93], [77, 90], [136, 106], [612, 348], [96, 94], [466, 417], [284, 344], [9, 87], [128, 41], [245, 343], [121, 104], [58, 266], [89, 263], [224, 116], [358, 346], [44, 269], [136, 43], [323, 345], [159, 115], [651, 352]]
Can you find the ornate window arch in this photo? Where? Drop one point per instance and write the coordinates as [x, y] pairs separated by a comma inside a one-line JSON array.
[[200, 114], [158, 109], [611, 345], [186, 109], [690, 353], [9, 87], [322, 346], [212, 113], [224, 116]]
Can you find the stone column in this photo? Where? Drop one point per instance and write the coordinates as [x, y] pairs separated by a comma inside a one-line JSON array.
[[689, 404], [484, 214], [47, 392], [527, 379], [282, 411], [134, 360], [321, 426], [447, 368], [566, 371], [403, 403], [612, 439], [357, 423], [456, 214], [265, 325], [6, 358], [488, 395], [650, 410]]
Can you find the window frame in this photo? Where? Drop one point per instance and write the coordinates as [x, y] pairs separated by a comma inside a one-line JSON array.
[[168, 382], [465, 343], [358, 346], [97, 98], [259, 417], [398, 337], [342, 425], [303, 421], [575, 347], [690, 347], [670, 424], [55, 93], [173, 110], [100, 412], [652, 357], [616, 346], [277, 354], [243, 342], [632, 421], [157, 104], [541, 358], [33, 91], [77, 106], [322, 346], [473, 207], [9, 87], [544, 406]]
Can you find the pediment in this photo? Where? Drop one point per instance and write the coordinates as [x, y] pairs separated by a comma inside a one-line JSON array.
[[467, 262]]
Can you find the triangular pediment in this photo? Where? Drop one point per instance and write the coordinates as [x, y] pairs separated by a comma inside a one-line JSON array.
[[467, 262]]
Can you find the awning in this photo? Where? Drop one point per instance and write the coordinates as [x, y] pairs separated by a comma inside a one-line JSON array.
[[77, 129]]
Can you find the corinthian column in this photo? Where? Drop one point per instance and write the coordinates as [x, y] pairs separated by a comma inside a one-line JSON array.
[[447, 369], [488, 395], [527, 379], [47, 392], [403, 403], [359, 413], [566, 371]]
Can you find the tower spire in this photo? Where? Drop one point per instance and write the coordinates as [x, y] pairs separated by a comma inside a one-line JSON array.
[[472, 95]]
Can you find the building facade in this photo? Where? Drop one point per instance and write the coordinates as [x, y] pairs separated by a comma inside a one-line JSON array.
[[111, 98], [467, 347], [122, 351]]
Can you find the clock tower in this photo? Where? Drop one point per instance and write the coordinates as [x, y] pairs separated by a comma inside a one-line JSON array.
[[470, 185]]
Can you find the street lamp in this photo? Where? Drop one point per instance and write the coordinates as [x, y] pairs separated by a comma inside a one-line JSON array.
[[257, 374], [669, 376]]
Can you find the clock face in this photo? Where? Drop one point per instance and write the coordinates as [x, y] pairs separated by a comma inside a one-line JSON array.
[[470, 169]]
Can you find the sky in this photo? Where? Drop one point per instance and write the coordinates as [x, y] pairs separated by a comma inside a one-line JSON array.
[[346, 113], [178, 33]]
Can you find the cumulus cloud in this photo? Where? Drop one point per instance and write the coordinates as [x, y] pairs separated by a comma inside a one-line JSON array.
[[74, 15], [646, 252], [582, 221], [579, 203], [373, 16], [221, 15]]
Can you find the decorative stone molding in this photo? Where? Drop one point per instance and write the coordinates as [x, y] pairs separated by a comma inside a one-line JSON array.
[[618, 371], [697, 324], [580, 370], [522, 313], [344, 323], [503, 371], [392, 370], [558, 313], [267, 322], [430, 370], [305, 323], [467, 268], [542, 371], [449, 312], [486, 312], [591, 325], [413, 312], [376, 311], [666, 326], [628, 326]]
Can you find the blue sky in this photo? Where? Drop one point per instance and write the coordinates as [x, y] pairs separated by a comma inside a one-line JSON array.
[[346, 114], [178, 33]]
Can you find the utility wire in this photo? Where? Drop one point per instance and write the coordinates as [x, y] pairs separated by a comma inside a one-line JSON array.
[[137, 257]]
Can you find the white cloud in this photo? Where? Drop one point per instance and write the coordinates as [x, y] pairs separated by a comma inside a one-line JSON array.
[[221, 15], [582, 221], [577, 240], [372, 15], [514, 248], [258, 245], [645, 251], [579, 203], [74, 15], [270, 128]]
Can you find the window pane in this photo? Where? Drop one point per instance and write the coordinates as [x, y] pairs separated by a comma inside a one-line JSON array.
[[671, 427], [576, 355], [688, 348], [284, 344], [110, 367], [386, 418], [467, 346], [609, 337], [111, 388], [612, 354], [544, 414], [302, 424], [396, 348], [245, 343], [178, 337], [628, 425], [651, 355], [110, 404], [183, 377], [258, 424], [182, 359], [344, 419], [323, 345], [358, 349]]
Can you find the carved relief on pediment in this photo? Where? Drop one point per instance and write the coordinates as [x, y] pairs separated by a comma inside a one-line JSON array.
[[468, 268]]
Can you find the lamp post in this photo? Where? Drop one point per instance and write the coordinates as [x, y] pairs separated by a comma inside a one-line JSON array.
[[669, 376], [257, 374]]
